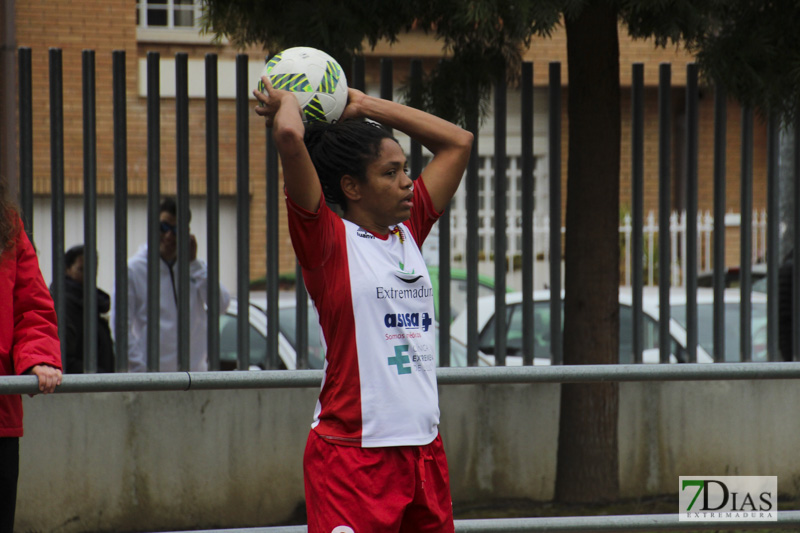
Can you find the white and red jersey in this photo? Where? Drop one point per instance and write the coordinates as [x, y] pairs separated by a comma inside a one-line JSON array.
[[374, 299]]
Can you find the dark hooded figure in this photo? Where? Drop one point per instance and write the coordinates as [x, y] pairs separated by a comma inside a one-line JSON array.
[[74, 347]]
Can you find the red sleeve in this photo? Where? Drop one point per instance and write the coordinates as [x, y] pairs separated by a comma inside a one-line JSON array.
[[35, 325], [312, 234], [423, 215]]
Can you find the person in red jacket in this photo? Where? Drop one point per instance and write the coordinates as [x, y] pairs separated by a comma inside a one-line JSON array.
[[28, 342]]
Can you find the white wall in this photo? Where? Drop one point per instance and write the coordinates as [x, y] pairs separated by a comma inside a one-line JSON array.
[[137, 234]]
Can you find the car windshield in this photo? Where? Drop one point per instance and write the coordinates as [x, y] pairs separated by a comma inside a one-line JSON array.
[[458, 352], [458, 295], [705, 329], [228, 341], [541, 331], [760, 285], [288, 324]]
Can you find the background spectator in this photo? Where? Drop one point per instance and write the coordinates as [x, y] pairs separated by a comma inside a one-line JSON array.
[[73, 318], [198, 291]]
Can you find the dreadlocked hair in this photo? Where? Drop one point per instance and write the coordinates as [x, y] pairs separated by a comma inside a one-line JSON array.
[[342, 148]]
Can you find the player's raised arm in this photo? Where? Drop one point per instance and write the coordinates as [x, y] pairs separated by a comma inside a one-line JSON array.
[[450, 144], [281, 112]]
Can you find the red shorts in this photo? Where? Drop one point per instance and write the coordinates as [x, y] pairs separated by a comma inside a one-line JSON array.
[[402, 489]]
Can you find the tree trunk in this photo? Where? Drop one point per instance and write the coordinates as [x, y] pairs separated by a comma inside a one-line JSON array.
[[588, 457]]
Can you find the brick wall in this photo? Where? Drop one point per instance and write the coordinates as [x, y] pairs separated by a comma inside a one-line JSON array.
[[104, 27]]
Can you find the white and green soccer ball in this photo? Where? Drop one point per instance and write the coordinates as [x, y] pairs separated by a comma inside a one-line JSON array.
[[315, 78]]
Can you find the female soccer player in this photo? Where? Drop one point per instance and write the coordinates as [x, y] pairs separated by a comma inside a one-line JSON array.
[[374, 460]]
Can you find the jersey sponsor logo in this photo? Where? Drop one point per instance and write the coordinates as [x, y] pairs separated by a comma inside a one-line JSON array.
[[413, 357], [364, 234], [342, 529], [409, 280], [401, 359], [390, 293], [408, 320], [405, 276]]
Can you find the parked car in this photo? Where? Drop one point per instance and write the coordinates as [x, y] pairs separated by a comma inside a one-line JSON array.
[[287, 342], [541, 326]]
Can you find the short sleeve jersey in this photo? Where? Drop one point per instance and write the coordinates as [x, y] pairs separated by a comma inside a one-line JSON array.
[[374, 300]]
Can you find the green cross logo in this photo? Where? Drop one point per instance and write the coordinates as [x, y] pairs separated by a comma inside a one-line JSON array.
[[400, 359]]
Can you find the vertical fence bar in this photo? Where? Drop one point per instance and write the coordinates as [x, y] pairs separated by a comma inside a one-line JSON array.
[[556, 329], [720, 142], [26, 139], [301, 330], [691, 212], [387, 80], [472, 235], [89, 214], [56, 82], [664, 206], [500, 223], [153, 202], [444, 286], [212, 207], [358, 73], [120, 213], [273, 195], [637, 207], [415, 155], [444, 224], [182, 159], [272, 253], [746, 236], [243, 224], [795, 322], [526, 164], [773, 234]]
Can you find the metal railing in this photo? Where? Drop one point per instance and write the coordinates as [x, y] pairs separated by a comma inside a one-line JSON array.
[[184, 381], [578, 524]]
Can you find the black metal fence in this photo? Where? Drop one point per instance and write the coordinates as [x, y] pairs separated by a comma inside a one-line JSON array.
[[243, 178]]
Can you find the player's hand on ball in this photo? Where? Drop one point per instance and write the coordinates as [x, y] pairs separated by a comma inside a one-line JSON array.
[[354, 100], [271, 100]]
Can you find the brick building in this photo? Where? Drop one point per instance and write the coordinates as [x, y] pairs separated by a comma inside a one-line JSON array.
[[167, 28]]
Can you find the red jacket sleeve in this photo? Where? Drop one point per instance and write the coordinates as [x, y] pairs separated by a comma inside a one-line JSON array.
[[35, 325]]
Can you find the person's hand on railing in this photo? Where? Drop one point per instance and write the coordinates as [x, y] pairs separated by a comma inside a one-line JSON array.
[[49, 377]]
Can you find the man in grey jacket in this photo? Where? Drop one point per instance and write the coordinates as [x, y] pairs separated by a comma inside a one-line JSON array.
[[168, 274]]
